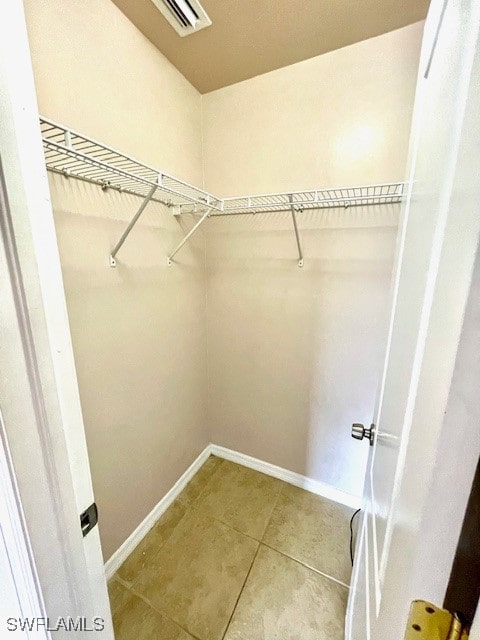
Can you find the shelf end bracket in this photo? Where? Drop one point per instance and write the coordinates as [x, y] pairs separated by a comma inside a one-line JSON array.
[[133, 221], [188, 236], [297, 235]]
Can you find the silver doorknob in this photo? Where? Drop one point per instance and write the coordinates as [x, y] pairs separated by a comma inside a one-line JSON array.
[[359, 432]]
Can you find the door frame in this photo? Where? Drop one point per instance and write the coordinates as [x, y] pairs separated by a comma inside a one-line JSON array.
[[44, 435], [20, 591]]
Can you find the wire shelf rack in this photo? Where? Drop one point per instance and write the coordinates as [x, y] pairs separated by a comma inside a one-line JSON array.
[[72, 154], [389, 193]]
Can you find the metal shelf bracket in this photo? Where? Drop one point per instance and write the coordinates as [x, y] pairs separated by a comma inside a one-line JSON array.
[[297, 235], [133, 221], [188, 236]]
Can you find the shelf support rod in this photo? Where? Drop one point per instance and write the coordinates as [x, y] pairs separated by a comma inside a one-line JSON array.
[[188, 236], [297, 235], [113, 262]]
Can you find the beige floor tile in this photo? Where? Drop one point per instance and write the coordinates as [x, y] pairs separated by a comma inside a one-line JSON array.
[[117, 595], [283, 600], [133, 619], [153, 541], [241, 498], [198, 483], [313, 530], [198, 574], [159, 534]]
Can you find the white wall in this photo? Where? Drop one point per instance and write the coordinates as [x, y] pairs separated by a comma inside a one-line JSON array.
[[294, 354], [139, 330], [94, 71], [342, 118], [40, 408]]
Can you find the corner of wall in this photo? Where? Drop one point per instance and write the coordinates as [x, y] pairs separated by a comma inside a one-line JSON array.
[[205, 265], [202, 141]]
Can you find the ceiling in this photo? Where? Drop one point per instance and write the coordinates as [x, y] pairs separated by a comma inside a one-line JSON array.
[[250, 37]]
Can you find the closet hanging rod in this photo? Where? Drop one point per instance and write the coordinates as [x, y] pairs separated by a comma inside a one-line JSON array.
[[104, 186], [298, 209]]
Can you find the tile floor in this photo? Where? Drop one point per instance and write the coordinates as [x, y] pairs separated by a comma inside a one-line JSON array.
[[238, 556]]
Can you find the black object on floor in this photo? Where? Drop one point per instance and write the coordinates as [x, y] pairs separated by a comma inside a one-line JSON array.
[[351, 534]]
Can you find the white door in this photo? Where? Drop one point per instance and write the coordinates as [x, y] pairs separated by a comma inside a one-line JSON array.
[[437, 243], [41, 427]]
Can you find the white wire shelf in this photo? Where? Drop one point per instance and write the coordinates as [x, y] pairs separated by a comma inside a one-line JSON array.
[[389, 193], [74, 155]]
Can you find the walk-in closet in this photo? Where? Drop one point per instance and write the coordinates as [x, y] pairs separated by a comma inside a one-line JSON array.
[[226, 205]]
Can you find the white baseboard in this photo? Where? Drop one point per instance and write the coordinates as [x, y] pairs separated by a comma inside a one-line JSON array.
[[122, 553], [314, 486]]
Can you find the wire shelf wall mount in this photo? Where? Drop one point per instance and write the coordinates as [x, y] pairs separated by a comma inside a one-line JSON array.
[[77, 156]]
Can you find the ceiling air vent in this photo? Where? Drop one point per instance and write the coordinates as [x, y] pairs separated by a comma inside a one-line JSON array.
[[185, 16]]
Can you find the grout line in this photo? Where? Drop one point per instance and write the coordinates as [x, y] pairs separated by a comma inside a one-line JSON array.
[[286, 555], [304, 564], [157, 547], [162, 612], [123, 582], [189, 507], [131, 589], [283, 475], [275, 503], [282, 553], [241, 591], [307, 566], [316, 487], [247, 535], [215, 471], [190, 504]]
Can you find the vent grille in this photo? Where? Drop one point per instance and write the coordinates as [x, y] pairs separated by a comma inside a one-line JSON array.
[[185, 16]]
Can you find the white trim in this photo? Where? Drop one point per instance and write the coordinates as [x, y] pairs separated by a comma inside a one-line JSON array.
[[20, 591], [122, 553], [40, 393], [309, 484], [314, 486]]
